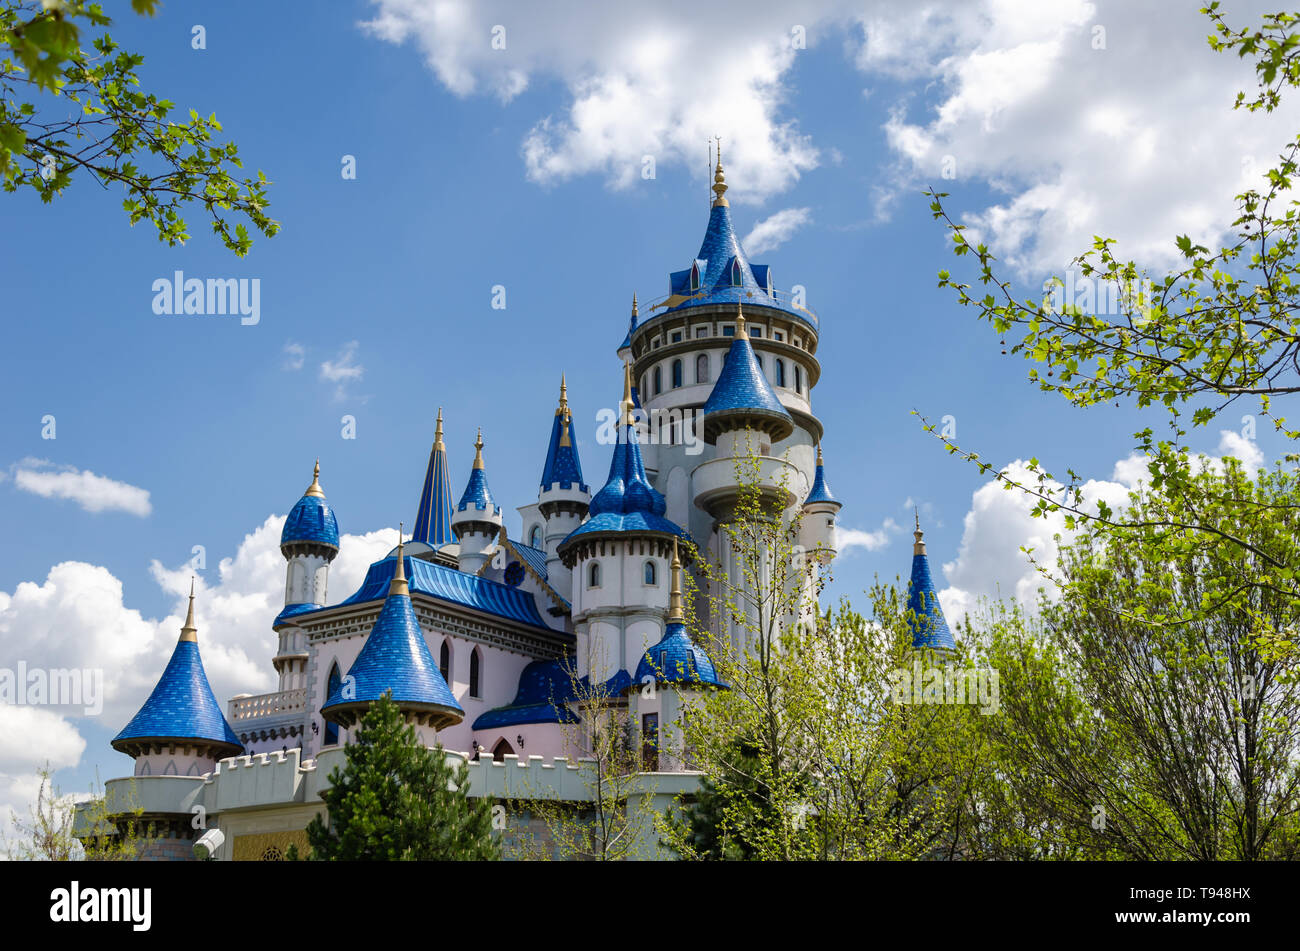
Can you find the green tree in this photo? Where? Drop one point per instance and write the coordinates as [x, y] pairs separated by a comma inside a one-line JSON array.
[[60, 828], [396, 799], [65, 110], [1221, 327]]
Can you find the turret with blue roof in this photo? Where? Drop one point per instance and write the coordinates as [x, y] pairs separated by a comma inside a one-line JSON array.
[[820, 494], [929, 628], [563, 467], [182, 710], [433, 520], [395, 658], [477, 520], [677, 659], [742, 398], [311, 523]]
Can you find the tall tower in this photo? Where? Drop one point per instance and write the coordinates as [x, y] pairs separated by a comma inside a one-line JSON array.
[[563, 498], [477, 520], [929, 627], [433, 520]]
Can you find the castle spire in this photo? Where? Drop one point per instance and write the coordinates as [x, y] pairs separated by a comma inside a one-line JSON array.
[[918, 546], [627, 418], [314, 490], [437, 432], [433, 518], [719, 182], [676, 614], [188, 631], [478, 449], [398, 585]]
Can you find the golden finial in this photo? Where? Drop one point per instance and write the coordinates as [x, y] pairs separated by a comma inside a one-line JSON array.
[[188, 631], [438, 444], [719, 182], [563, 413], [918, 547], [314, 489], [819, 454], [564, 397], [398, 584], [676, 614], [626, 404], [634, 311], [478, 449], [740, 320]]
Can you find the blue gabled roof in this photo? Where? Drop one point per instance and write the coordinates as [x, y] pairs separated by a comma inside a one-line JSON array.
[[545, 686], [433, 520], [448, 584], [292, 611], [929, 628], [535, 557], [311, 519], [562, 463], [182, 705], [742, 388], [820, 490], [677, 659], [628, 502], [396, 658]]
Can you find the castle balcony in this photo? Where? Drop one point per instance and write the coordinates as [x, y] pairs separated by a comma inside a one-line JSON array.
[[267, 705], [717, 488]]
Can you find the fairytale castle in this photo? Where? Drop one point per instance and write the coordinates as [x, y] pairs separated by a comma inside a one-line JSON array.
[[495, 645]]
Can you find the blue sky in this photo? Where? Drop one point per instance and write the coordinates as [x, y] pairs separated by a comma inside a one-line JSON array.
[[465, 181]]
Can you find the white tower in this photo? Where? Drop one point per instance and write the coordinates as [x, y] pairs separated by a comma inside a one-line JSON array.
[[477, 520]]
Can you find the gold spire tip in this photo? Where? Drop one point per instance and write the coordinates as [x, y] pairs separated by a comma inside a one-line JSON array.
[[437, 432], [719, 181], [634, 311], [314, 489], [398, 584], [627, 405], [478, 449], [918, 547], [676, 613], [188, 631], [819, 454]]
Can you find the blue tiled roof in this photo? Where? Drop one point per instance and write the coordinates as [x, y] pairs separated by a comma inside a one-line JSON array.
[[476, 492], [721, 257], [448, 584], [628, 502], [311, 520], [742, 389], [562, 463], [545, 686], [820, 490], [929, 628], [395, 657], [676, 659], [433, 520], [293, 610], [615, 686], [181, 706], [535, 557]]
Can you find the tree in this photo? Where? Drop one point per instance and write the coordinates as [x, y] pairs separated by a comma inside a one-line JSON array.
[[1222, 327], [1123, 736], [66, 110], [396, 799], [60, 828]]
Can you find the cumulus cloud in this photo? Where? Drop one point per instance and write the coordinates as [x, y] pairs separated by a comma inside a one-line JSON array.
[[847, 539], [343, 370], [94, 493], [775, 230]]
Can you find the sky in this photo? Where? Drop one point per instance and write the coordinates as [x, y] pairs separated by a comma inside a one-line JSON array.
[[505, 145]]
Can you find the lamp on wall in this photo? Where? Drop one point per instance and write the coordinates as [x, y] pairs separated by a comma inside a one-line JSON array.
[[520, 738], [315, 728]]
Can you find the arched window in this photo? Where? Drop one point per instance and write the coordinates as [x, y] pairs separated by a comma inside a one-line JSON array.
[[702, 368], [677, 373], [798, 378], [593, 575], [780, 373], [650, 574], [474, 674], [759, 358], [332, 729], [659, 380], [501, 749], [535, 537], [735, 273], [444, 660]]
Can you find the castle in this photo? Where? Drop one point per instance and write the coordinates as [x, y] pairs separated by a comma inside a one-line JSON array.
[[485, 639]]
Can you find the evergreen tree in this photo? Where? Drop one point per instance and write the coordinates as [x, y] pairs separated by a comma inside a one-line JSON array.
[[398, 800]]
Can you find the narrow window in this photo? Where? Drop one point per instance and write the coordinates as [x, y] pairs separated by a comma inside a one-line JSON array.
[[332, 729], [677, 373], [444, 661], [780, 373], [735, 273], [798, 378], [650, 742], [650, 573], [593, 575], [702, 368], [659, 380], [535, 537], [474, 665]]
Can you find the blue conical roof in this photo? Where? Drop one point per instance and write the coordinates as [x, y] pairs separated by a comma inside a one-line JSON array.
[[562, 463], [311, 520], [433, 520], [677, 659], [742, 395], [820, 491], [476, 491], [396, 658], [929, 628], [182, 705]]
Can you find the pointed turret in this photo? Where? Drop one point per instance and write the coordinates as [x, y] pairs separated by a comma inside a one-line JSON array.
[[563, 498], [821, 493], [742, 397], [396, 658], [562, 468], [477, 520], [181, 716], [676, 658], [929, 628], [309, 542], [625, 348], [433, 520]]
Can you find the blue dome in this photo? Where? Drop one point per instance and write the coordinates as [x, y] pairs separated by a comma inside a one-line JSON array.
[[545, 686], [311, 521], [929, 628], [676, 659], [182, 705], [395, 658]]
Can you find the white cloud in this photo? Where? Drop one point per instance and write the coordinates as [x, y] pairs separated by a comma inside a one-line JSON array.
[[775, 230], [1137, 141], [1236, 445], [343, 369], [847, 539], [294, 355], [94, 493]]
